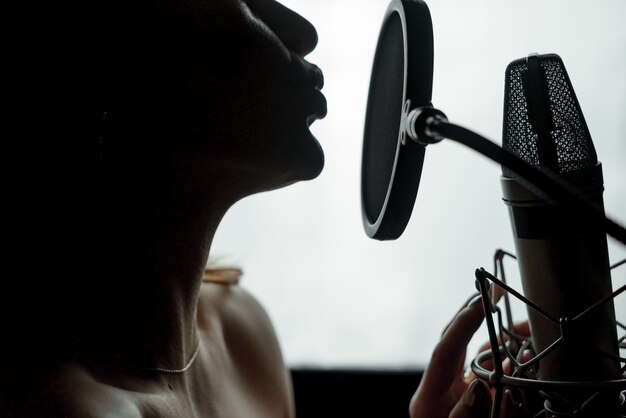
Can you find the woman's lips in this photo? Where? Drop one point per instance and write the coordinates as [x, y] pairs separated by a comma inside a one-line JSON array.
[[318, 107], [319, 104], [311, 80], [318, 77]]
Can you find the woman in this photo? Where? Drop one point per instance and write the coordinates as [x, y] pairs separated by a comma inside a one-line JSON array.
[[164, 114]]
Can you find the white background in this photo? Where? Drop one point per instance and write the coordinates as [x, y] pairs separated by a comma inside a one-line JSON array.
[[339, 299]]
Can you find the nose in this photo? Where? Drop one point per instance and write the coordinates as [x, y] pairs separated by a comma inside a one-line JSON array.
[[297, 33]]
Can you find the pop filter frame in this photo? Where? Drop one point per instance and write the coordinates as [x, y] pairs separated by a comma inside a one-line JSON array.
[[388, 198]]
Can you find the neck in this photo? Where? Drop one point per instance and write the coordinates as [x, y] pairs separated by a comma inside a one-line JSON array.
[[155, 249]]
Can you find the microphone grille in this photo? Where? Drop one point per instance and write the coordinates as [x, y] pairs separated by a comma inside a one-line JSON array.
[[543, 122]]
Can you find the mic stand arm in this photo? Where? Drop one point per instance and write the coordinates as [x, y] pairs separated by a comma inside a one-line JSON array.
[[427, 125]]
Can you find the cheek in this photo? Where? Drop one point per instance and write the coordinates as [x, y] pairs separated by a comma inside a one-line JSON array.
[[242, 104], [273, 142]]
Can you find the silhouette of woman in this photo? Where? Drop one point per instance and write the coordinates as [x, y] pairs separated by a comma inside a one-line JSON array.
[[141, 123]]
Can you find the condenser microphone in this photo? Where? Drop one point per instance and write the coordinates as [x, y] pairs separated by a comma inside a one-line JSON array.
[[562, 254]]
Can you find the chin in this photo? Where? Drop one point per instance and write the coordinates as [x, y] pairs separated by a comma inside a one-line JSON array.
[[313, 165], [303, 163]]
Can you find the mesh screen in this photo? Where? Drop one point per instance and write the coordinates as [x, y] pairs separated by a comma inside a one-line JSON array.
[[543, 123], [384, 112]]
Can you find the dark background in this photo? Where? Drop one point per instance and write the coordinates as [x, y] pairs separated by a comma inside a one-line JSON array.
[[353, 393]]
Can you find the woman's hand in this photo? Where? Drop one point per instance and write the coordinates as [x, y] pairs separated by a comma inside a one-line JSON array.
[[444, 391]]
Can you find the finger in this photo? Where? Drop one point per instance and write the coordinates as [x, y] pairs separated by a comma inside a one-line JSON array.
[[469, 376], [446, 364], [475, 402], [465, 304], [495, 293], [462, 328], [522, 329]]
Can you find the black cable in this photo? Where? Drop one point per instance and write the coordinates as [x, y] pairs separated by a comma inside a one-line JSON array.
[[539, 181]]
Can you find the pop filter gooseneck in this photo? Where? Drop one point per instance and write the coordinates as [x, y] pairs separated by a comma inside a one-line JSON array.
[[400, 122]]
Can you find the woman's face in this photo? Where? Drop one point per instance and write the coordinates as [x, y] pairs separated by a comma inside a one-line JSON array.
[[229, 79]]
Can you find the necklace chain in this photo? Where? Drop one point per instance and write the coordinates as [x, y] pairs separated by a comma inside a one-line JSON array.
[[164, 370], [160, 369]]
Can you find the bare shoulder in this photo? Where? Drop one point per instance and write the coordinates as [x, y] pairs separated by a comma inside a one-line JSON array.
[[241, 317], [250, 341]]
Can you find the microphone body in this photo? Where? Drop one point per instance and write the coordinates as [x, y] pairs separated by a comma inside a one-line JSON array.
[[562, 257]]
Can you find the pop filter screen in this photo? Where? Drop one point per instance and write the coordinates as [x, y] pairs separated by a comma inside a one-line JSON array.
[[401, 73], [384, 114]]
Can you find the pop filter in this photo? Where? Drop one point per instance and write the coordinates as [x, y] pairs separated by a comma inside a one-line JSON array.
[[392, 165]]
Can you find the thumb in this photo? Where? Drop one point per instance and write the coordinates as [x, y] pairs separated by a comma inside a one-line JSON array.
[[475, 402]]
